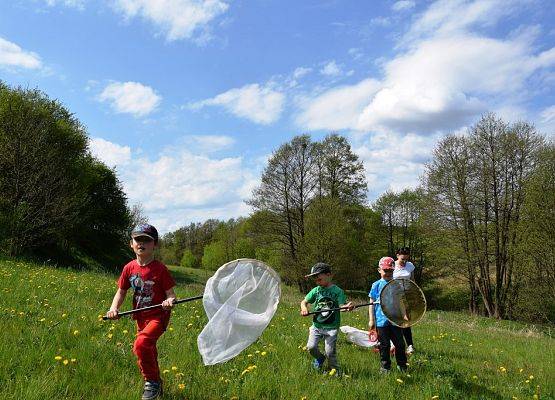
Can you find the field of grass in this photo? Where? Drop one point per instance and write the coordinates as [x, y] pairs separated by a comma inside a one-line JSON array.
[[53, 344]]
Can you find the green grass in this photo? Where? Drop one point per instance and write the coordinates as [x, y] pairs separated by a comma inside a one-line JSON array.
[[47, 312]]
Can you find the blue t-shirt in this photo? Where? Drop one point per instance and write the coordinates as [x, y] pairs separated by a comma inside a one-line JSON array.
[[374, 294]]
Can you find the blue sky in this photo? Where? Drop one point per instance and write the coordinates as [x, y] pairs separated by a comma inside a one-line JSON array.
[[187, 99]]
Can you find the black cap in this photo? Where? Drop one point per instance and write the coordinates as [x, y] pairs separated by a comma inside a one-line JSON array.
[[319, 268], [145, 230]]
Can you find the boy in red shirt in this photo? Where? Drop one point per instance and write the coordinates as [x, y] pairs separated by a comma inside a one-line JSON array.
[[152, 284]]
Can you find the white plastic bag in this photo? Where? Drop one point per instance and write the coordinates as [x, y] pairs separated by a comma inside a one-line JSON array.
[[240, 301], [358, 337]]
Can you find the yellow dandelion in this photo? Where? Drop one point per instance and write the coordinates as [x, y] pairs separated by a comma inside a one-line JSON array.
[[66, 362], [263, 353], [527, 381], [474, 377], [435, 397], [181, 386], [174, 368], [531, 377], [75, 332], [42, 319], [244, 372], [58, 358], [502, 369], [520, 370], [332, 372], [399, 380], [165, 371], [303, 398], [125, 331], [65, 315], [249, 355], [171, 329], [304, 348], [73, 360], [234, 398], [110, 336], [189, 325], [535, 396]]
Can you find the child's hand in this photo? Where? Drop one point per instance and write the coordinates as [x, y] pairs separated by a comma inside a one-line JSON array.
[[349, 306], [112, 314], [168, 303], [304, 311]]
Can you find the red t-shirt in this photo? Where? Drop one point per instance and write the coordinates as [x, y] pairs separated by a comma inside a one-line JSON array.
[[150, 283]]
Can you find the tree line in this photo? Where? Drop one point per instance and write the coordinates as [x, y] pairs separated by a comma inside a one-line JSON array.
[[480, 222]]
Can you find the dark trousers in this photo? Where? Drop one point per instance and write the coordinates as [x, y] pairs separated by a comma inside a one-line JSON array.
[[394, 334], [407, 333]]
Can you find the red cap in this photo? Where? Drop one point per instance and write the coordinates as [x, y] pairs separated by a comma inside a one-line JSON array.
[[386, 263]]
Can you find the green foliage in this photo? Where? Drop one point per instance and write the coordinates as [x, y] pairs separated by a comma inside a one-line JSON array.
[[56, 201], [215, 256], [188, 260]]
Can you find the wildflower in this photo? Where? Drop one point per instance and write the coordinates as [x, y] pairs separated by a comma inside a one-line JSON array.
[[174, 368], [66, 362], [189, 325], [474, 377], [64, 315], [125, 331], [58, 358], [75, 332], [110, 336], [181, 386], [435, 397], [531, 377], [502, 369], [42, 319], [73, 360], [332, 372], [263, 353], [249, 355], [399, 380], [303, 398], [165, 371]]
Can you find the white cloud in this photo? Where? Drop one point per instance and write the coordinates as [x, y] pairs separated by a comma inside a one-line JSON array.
[[403, 5], [548, 114], [300, 72], [380, 21], [179, 186], [13, 56], [211, 143], [338, 108], [331, 69], [444, 78], [110, 153], [393, 161], [177, 19], [79, 4], [131, 98], [260, 104]]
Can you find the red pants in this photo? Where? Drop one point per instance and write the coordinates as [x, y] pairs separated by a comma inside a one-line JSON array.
[[148, 332]]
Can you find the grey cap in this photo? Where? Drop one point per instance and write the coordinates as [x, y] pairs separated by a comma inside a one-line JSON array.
[[319, 268]]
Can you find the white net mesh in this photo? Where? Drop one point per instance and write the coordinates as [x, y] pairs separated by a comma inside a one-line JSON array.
[[358, 336], [240, 301]]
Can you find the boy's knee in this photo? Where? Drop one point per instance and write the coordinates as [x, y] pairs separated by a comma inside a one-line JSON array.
[[141, 346]]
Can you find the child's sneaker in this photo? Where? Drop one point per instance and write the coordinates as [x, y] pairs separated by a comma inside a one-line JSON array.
[[317, 363], [410, 349], [152, 390]]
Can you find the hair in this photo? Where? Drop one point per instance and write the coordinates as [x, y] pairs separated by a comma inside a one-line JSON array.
[[404, 251]]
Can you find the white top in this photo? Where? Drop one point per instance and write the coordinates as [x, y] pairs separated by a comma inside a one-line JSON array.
[[403, 272]]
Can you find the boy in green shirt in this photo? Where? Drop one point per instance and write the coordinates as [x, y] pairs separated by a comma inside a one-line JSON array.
[[325, 325]]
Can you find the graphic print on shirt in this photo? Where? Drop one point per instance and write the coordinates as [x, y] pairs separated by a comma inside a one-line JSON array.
[[325, 303], [143, 291]]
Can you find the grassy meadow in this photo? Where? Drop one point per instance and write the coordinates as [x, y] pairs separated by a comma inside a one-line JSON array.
[[53, 344]]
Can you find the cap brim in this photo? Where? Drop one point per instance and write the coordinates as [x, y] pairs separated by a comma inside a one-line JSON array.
[[139, 234]]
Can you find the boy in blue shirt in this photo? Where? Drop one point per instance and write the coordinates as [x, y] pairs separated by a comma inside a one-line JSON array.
[[387, 332], [325, 325]]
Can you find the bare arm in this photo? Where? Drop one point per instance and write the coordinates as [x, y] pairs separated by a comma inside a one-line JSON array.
[[116, 303], [304, 307], [170, 298], [371, 318]]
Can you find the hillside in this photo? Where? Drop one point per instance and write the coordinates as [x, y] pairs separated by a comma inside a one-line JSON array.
[[54, 345]]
